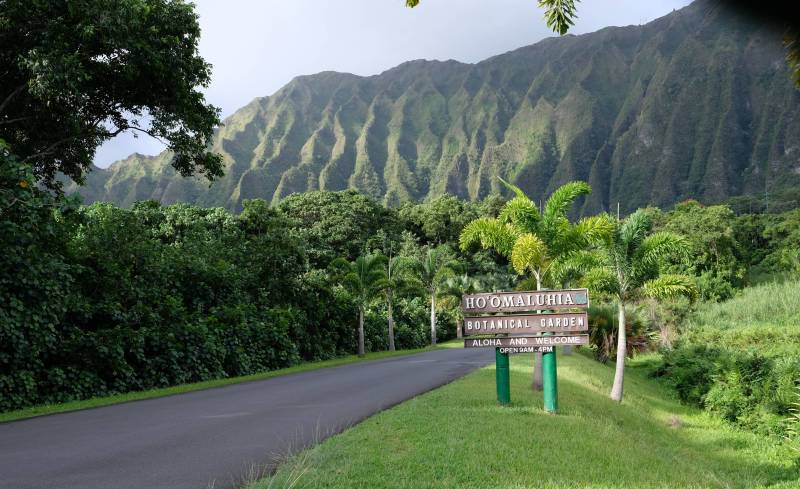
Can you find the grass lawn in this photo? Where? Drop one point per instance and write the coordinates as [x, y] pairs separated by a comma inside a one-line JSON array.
[[179, 389], [458, 437]]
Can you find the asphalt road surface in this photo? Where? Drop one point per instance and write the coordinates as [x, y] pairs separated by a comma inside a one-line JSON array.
[[214, 438]]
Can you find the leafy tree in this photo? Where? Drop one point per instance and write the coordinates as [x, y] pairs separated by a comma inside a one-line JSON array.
[[440, 220], [709, 231], [627, 264], [36, 279], [364, 278], [338, 224], [76, 74], [535, 240]]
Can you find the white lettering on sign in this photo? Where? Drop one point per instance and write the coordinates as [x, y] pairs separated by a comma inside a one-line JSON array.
[[557, 340], [527, 300]]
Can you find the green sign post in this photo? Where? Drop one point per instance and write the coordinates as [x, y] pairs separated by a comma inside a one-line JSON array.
[[512, 314], [502, 377], [549, 380]]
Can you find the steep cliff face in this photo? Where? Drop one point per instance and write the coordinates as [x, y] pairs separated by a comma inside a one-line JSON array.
[[697, 104]]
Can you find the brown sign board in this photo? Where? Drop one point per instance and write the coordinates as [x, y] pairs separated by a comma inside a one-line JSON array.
[[523, 341], [536, 323], [526, 349], [525, 301]]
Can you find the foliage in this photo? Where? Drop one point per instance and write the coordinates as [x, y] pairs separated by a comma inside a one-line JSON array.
[[79, 73], [364, 279], [714, 250], [36, 279], [739, 359], [534, 240], [337, 224], [603, 332], [627, 265]]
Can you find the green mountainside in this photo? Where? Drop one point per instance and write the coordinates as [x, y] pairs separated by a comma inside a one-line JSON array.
[[697, 104]]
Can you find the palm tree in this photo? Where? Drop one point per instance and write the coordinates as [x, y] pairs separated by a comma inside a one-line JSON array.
[[397, 270], [364, 279], [626, 265], [435, 266], [453, 289], [535, 240]]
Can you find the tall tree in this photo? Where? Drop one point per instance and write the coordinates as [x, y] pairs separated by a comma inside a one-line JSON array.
[[364, 278], [398, 277], [535, 239], [75, 74], [627, 265], [433, 268]]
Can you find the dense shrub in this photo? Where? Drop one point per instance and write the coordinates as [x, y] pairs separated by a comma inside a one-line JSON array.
[[746, 388]]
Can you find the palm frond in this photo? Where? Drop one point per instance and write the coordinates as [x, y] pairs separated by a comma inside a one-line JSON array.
[[522, 212], [633, 231], [670, 286], [490, 234], [529, 253], [595, 229], [574, 265], [517, 191], [563, 197], [661, 245], [602, 280]]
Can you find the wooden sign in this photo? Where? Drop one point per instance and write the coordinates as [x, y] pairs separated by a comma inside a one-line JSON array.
[[522, 341], [536, 323], [526, 349], [526, 301]]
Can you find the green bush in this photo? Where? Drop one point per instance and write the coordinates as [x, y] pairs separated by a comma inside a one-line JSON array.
[[745, 388]]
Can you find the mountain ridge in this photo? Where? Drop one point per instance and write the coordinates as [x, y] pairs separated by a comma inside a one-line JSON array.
[[695, 104]]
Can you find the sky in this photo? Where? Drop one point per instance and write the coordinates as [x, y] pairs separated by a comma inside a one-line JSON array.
[[257, 46]]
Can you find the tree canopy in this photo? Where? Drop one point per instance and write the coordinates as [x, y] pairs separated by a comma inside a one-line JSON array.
[[76, 74]]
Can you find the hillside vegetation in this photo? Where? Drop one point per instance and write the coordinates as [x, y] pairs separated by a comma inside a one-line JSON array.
[[765, 318], [740, 359], [458, 437], [697, 104]]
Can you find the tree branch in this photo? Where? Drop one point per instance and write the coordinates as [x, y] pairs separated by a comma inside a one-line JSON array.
[[11, 96]]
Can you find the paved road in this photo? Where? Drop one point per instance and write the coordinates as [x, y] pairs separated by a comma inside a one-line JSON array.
[[212, 438]]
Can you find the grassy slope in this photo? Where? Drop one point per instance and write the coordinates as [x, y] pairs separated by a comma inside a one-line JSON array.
[[179, 389], [457, 437], [766, 316]]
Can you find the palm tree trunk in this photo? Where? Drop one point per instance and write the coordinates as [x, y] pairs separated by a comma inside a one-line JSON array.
[[391, 321], [459, 324], [622, 343], [433, 318], [361, 331], [537, 384]]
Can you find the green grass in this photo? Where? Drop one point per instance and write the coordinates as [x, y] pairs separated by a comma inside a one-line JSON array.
[[180, 389], [766, 316], [458, 437]]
